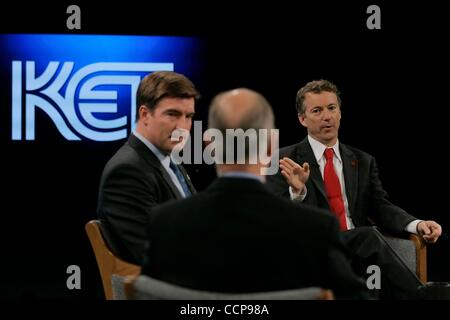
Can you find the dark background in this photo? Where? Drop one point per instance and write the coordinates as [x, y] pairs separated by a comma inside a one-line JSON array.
[[394, 102]]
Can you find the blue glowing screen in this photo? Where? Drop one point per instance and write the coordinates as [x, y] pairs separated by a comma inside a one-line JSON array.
[[85, 85]]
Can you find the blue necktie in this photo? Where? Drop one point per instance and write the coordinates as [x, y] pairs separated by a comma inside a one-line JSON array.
[[180, 177]]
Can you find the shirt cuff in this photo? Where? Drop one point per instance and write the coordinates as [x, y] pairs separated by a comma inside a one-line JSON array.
[[299, 196], [412, 226]]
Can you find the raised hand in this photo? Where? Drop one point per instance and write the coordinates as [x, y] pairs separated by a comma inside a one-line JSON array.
[[296, 175]]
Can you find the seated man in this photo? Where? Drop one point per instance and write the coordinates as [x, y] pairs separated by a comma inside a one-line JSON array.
[[345, 180], [238, 237], [141, 174]]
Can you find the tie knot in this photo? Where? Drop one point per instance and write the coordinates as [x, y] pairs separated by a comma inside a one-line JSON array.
[[329, 153]]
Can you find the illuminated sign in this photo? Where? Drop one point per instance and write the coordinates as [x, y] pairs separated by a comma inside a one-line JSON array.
[[84, 84]]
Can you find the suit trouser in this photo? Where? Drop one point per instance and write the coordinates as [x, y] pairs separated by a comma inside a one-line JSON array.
[[368, 247]]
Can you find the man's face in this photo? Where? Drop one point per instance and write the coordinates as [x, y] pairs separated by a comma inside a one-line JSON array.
[[168, 115], [322, 116]]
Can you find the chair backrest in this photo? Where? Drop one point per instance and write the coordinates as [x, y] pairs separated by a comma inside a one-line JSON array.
[[109, 265], [413, 252], [146, 288]]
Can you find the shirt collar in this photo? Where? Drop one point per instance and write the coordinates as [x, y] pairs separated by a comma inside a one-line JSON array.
[[319, 148], [164, 159]]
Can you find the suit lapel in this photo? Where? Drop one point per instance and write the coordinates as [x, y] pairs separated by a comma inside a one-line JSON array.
[[350, 167], [306, 154], [151, 159]]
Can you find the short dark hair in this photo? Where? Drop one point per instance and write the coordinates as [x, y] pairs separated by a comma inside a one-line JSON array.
[[162, 84], [316, 86]]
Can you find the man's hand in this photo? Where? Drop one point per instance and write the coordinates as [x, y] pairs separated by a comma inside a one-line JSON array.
[[295, 174], [429, 230]]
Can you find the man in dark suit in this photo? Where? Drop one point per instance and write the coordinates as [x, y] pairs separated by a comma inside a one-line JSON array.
[[345, 180], [142, 174], [238, 237]]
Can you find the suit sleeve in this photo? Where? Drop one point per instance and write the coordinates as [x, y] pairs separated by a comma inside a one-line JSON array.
[[385, 214], [127, 197]]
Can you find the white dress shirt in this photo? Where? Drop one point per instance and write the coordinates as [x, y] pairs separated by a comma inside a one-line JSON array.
[[318, 150]]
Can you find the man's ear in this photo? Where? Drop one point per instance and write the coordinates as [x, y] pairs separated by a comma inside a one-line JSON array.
[[301, 119], [143, 112]]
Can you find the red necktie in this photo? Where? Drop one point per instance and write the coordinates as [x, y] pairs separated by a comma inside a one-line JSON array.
[[333, 189]]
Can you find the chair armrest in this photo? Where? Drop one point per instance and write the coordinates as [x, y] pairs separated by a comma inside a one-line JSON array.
[[128, 286], [421, 260], [412, 249]]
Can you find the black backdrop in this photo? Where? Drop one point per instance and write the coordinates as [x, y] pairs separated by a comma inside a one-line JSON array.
[[394, 95]]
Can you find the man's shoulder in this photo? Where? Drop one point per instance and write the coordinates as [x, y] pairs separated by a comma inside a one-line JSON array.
[[128, 162], [124, 156], [358, 153], [174, 209], [203, 200], [294, 148], [290, 150], [297, 213]]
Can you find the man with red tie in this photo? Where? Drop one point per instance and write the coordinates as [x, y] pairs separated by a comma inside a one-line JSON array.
[[323, 172], [236, 236]]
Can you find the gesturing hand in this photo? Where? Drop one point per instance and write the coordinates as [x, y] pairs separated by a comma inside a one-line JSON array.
[[295, 174]]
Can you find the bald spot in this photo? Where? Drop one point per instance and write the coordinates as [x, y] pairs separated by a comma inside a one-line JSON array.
[[238, 107]]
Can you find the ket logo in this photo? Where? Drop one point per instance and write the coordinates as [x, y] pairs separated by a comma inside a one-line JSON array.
[[83, 104]]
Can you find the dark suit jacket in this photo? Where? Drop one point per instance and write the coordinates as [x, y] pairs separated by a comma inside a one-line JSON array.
[[132, 182], [238, 237], [365, 194]]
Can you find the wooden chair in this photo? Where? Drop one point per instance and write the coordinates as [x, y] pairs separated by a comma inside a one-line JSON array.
[[146, 288], [421, 257], [108, 264], [413, 251]]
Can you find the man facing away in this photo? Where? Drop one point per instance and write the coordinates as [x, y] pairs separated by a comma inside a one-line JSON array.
[[141, 174], [238, 237], [323, 172]]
